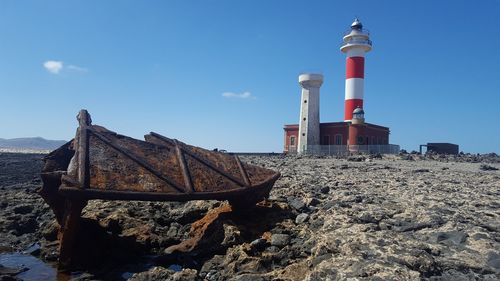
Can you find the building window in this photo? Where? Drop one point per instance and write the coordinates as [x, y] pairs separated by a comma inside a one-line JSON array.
[[305, 101], [292, 141], [374, 140], [326, 140], [303, 134], [304, 119], [338, 139], [360, 140]]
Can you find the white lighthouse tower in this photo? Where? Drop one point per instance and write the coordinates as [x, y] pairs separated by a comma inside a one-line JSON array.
[[309, 111], [355, 44]]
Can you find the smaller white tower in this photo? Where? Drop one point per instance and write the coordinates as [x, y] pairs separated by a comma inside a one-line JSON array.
[[309, 111]]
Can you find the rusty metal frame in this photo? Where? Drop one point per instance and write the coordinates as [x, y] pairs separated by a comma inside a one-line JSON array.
[[74, 189], [68, 194]]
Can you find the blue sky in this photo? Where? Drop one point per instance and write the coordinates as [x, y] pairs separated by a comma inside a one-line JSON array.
[[224, 73]]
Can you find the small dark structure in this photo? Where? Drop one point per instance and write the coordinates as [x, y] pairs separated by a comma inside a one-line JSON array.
[[440, 147]]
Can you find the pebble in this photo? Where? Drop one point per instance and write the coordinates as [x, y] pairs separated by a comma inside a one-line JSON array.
[[296, 204], [272, 249], [280, 240], [301, 218], [312, 202], [258, 244], [324, 189]]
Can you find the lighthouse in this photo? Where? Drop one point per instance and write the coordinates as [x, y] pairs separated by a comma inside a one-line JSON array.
[[356, 43], [353, 133], [309, 111]]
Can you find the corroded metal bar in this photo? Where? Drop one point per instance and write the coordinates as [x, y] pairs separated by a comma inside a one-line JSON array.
[[83, 149], [69, 231], [243, 172], [158, 136], [185, 171], [242, 194]]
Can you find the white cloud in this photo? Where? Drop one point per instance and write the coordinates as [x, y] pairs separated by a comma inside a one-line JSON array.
[[244, 95], [77, 68], [56, 67], [53, 66]]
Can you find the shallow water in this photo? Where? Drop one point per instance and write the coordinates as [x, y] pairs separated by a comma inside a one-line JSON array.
[[37, 269]]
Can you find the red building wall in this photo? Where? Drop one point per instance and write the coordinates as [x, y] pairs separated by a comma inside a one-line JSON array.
[[332, 133], [291, 135], [374, 134]]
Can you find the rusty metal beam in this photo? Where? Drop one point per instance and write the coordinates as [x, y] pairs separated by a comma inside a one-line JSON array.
[[75, 192], [185, 171], [83, 149], [243, 172]]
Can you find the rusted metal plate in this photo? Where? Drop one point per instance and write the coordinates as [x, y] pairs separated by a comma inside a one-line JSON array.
[[112, 166], [111, 169]]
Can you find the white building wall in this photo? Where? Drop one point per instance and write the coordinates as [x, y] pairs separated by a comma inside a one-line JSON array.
[[309, 111]]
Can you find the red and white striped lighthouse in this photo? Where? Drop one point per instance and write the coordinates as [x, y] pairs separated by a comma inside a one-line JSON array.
[[355, 44]]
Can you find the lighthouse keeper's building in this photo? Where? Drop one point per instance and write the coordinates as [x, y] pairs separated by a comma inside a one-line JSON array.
[[337, 133]]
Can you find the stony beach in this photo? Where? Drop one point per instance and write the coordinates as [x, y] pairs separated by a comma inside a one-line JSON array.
[[394, 217]]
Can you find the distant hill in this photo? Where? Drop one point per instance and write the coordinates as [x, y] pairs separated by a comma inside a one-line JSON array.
[[30, 143]]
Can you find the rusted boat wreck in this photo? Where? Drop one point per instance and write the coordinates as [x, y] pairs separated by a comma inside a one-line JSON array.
[[101, 164]]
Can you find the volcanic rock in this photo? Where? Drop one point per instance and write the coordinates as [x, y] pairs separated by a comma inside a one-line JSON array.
[[433, 218]]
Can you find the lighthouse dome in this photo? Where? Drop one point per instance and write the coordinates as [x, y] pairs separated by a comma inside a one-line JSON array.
[[358, 116], [358, 110], [357, 25]]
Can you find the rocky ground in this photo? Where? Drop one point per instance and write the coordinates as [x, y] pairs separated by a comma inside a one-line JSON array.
[[399, 217]]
